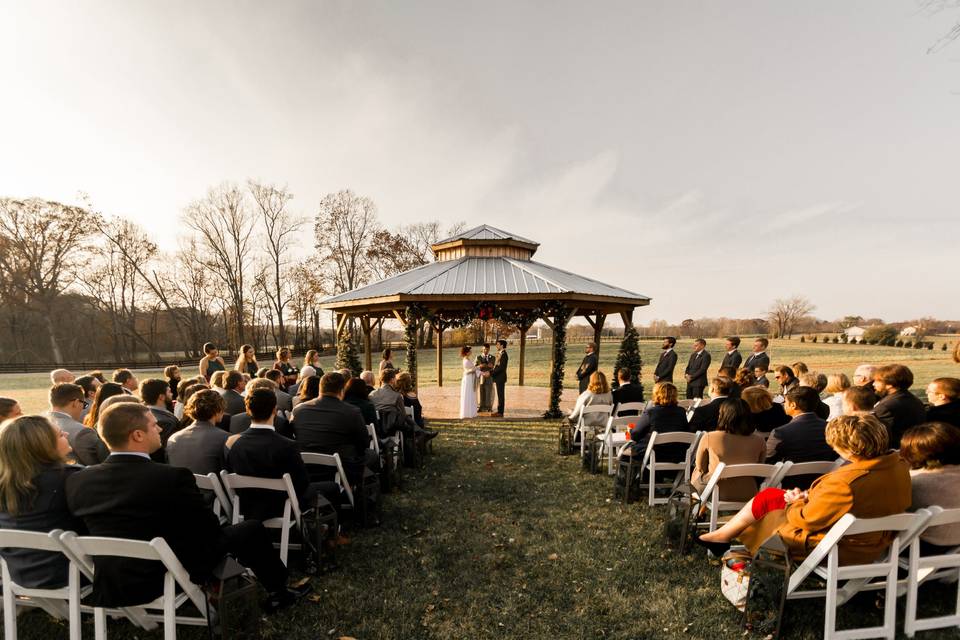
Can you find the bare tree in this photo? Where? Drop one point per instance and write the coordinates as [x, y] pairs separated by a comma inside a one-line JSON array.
[[44, 246], [281, 228], [785, 313], [422, 235], [344, 230], [224, 224], [189, 294], [305, 291]]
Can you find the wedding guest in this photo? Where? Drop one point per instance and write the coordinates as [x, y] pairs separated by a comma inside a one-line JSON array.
[[284, 399], [933, 452], [66, 407], [386, 362], [627, 392], [734, 442], [731, 375], [837, 384], [597, 392], [663, 415], [156, 395], [284, 366], [696, 371], [216, 380], [858, 399], [391, 407], [704, 417], [305, 373], [58, 376], [784, 376], [357, 393], [944, 397], [817, 382], [760, 373], [309, 390], [759, 357], [89, 384], [240, 422], [96, 373], [799, 368], [211, 362], [106, 390], [897, 408], [233, 386], [732, 357], [368, 379], [126, 379], [745, 378], [9, 409], [186, 391], [405, 387], [875, 484], [172, 375], [802, 439], [247, 361], [200, 447], [33, 474], [863, 377]]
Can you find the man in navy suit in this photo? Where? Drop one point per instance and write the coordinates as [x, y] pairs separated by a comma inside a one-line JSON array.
[[732, 358], [759, 357], [667, 361], [696, 371]]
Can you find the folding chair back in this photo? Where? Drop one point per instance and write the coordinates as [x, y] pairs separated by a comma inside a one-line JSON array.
[[410, 412], [652, 466], [710, 497], [605, 409], [234, 482], [924, 568], [221, 504], [83, 549], [629, 406], [374, 440], [60, 602], [790, 469], [333, 461], [613, 435]]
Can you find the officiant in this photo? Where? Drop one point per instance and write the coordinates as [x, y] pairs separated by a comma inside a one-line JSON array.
[[485, 362]]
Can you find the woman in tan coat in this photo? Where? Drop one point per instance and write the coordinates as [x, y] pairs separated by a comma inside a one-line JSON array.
[[734, 442], [875, 484]]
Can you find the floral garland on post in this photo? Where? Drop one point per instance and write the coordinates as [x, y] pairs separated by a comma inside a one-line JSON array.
[[561, 316], [410, 339]]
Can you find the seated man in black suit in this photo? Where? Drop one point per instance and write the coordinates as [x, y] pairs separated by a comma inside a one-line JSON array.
[[200, 447], [817, 382], [627, 391], [130, 496], [156, 394], [705, 416], [240, 422], [897, 408], [329, 425], [803, 439], [944, 397], [263, 453]]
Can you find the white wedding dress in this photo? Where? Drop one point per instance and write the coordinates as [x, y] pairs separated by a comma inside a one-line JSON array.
[[468, 390]]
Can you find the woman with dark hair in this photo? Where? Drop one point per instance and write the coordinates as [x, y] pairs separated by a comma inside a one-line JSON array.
[[287, 368], [765, 414], [310, 389], [247, 361], [933, 452], [386, 362], [88, 448], [33, 475], [172, 375], [184, 393], [106, 390], [405, 387], [211, 362], [734, 442], [357, 394], [9, 409]]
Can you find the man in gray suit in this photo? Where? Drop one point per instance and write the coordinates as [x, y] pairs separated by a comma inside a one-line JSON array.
[[284, 400], [66, 405], [696, 372], [233, 386], [201, 447], [499, 375]]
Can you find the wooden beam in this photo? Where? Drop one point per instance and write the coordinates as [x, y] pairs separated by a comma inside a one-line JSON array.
[[367, 356], [400, 317], [591, 322], [549, 323], [341, 321], [523, 352], [597, 328], [438, 327], [627, 317]]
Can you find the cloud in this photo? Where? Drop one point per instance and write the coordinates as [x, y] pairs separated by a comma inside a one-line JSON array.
[[796, 217]]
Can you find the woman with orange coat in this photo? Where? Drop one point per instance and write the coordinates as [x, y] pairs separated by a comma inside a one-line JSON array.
[[875, 484]]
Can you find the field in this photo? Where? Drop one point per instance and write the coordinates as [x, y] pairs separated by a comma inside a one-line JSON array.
[[30, 389], [498, 537]]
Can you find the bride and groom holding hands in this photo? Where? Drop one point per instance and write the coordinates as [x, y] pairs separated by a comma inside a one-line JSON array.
[[479, 378]]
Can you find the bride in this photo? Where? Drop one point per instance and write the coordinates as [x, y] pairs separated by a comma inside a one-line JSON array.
[[468, 386]]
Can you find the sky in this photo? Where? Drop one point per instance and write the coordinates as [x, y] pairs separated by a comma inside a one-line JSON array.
[[713, 156]]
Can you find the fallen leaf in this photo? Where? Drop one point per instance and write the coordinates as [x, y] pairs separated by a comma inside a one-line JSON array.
[[553, 556], [299, 583]]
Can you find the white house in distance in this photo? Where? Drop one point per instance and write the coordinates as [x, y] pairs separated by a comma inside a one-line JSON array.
[[854, 333], [908, 332]]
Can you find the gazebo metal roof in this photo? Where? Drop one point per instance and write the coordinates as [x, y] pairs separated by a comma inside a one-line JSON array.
[[486, 232]]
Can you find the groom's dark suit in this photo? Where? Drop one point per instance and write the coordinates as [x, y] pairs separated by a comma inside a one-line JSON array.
[[499, 376]]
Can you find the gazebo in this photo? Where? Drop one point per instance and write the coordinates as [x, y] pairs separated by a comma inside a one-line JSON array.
[[484, 273]]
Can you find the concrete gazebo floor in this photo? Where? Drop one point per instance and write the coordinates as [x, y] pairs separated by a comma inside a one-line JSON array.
[[521, 402]]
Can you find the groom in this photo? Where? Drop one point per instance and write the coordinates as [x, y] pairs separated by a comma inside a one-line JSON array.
[[499, 375]]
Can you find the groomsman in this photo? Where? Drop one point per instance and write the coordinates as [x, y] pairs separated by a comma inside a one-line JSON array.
[[696, 372], [733, 358], [759, 357], [667, 361], [588, 366]]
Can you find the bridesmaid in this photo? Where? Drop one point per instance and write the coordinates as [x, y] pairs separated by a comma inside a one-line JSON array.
[[247, 361], [211, 362], [287, 368], [386, 362]]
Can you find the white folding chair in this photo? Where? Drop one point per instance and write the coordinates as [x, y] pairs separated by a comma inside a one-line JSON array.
[[221, 504], [652, 466], [789, 469], [612, 437], [83, 549], [689, 404], [854, 577], [374, 440], [233, 482], [60, 602], [629, 406], [333, 461], [710, 497], [581, 429], [410, 412], [927, 568]]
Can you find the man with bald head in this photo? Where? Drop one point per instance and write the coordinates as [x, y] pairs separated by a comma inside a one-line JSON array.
[[60, 376]]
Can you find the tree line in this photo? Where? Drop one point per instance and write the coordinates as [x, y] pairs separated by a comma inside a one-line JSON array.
[[79, 285]]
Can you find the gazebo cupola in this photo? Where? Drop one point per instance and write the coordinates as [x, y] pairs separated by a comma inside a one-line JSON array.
[[484, 242]]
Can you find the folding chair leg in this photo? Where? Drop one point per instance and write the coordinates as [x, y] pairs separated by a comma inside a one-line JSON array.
[[9, 613], [830, 606], [169, 608], [100, 623], [74, 603]]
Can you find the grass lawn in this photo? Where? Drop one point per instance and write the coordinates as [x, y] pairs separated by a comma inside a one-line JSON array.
[[498, 537], [31, 389]]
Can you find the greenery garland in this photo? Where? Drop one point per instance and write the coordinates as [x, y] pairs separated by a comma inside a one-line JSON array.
[[410, 339], [560, 318]]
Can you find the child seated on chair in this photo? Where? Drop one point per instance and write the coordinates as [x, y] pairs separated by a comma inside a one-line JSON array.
[[875, 484]]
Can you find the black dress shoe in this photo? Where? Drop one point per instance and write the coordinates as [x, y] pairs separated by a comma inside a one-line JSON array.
[[280, 600], [428, 434], [716, 548]]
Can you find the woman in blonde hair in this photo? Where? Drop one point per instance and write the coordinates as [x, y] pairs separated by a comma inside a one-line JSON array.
[[597, 392], [663, 415], [247, 361], [837, 383], [875, 484], [33, 475]]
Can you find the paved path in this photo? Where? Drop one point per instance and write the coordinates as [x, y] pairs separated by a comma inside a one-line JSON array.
[[522, 402]]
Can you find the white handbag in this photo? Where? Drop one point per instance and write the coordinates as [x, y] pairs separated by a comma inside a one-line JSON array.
[[735, 579]]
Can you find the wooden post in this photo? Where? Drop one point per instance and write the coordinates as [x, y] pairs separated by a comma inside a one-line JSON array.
[[523, 351], [367, 356], [341, 321], [597, 329], [438, 327]]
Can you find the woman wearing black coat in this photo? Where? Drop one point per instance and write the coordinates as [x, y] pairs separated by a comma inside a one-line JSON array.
[[664, 416]]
